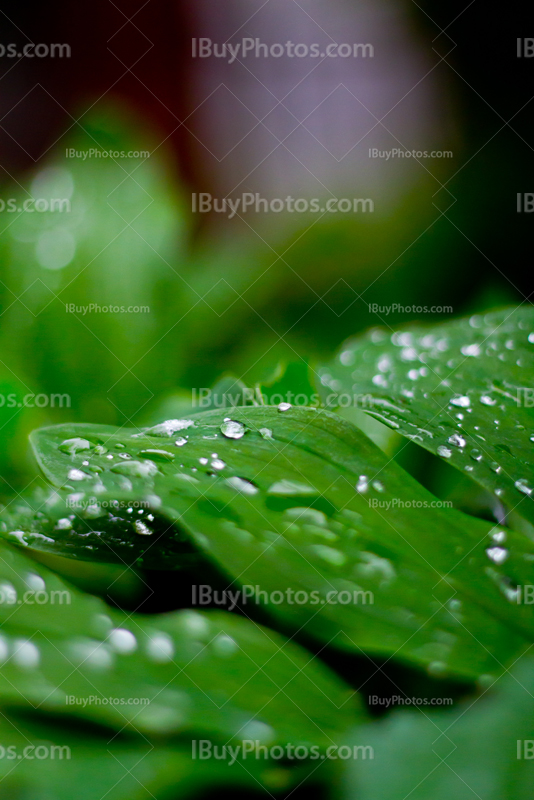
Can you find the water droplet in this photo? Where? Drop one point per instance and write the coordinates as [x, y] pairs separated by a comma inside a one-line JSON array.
[[242, 485], [224, 646], [306, 515], [523, 486], [8, 593], [157, 455], [266, 433], [329, 554], [63, 524], [457, 440], [25, 654], [286, 488], [495, 467], [461, 401], [78, 475], [73, 446], [142, 529], [284, 407], [218, 463], [472, 350], [444, 452], [167, 428], [363, 484], [497, 554], [232, 429], [487, 401], [160, 648], [122, 641], [100, 450], [499, 537], [476, 455], [203, 461], [195, 623], [378, 486], [180, 442], [135, 469]]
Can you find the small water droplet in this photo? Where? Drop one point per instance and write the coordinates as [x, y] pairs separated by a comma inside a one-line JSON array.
[[78, 475], [266, 433], [180, 442], [135, 469], [363, 484], [284, 407], [497, 554], [457, 440], [461, 401], [157, 455], [160, 648], [287, 488], [25, 654], [444, 452], [476, 455], [523, 486], [487, 400]]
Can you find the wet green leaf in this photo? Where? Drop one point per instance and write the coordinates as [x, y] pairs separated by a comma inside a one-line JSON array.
[[463, 390], [300, 501], [212, 672]]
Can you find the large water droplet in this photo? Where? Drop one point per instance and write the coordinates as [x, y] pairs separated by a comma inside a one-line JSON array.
[[167, 428], [135, 469], [232, 429], [287, 488], [73, 446]]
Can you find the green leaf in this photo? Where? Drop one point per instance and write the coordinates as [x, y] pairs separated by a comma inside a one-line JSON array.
[[195, 672], [482, 749], [48, 762], [302, 501], [463, 390]]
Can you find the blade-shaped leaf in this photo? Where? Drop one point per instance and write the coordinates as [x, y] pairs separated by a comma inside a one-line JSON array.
[[43, 761], [297, 500], [463, 390], [66, 652]]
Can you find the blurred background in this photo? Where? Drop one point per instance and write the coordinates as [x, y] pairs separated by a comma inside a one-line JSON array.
[[204, 293]]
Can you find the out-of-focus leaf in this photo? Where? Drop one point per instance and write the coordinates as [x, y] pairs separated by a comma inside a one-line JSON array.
[[300, 501], [196, 672], [44, 761], [463, 390], [483, 749]]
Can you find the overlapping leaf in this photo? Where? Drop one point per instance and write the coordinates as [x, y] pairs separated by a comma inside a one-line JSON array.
[[300, 501], [195, 672], [463, 390]]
